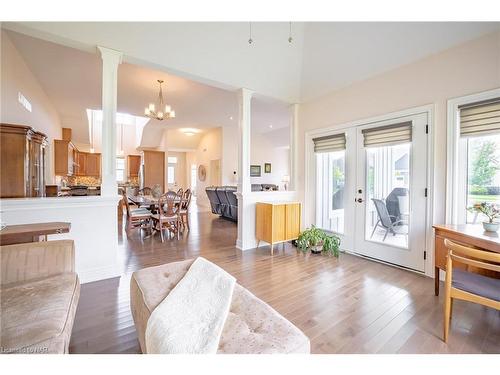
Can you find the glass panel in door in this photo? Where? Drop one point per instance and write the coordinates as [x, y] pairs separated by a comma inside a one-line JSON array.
[[388, 194]]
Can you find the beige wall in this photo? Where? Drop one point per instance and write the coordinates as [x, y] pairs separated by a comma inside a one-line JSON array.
[[263, 150], [16, 77], [210, 148], [469, 68]]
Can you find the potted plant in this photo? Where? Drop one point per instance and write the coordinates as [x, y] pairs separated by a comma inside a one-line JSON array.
[[317, 241], [491, 211]]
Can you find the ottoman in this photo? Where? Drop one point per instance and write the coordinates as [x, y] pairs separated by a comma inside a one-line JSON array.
[[252, 326]]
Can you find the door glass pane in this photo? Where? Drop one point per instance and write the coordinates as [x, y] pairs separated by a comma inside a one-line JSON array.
[[483, 173], [330, 180], [388, 194]]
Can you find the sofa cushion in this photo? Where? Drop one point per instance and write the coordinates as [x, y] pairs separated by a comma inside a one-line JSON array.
[[252, 326], [39, 314]]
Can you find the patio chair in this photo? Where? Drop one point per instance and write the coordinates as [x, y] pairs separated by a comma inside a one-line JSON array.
[[385, 220]]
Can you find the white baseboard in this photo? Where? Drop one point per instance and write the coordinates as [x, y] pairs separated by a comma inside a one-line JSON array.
[[100, 273]]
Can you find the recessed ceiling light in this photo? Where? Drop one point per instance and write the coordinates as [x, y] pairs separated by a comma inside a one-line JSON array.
[[190, 131], [271, 126], [230, 117]]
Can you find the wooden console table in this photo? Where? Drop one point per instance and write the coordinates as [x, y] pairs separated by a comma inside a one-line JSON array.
[[466, 234], [14, 234]]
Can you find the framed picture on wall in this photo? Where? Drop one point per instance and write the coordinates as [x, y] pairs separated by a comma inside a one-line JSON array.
[[255, 171], [267, 168]]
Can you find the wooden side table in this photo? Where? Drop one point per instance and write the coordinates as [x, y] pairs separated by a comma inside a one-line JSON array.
[[14, 234], [277, 222]]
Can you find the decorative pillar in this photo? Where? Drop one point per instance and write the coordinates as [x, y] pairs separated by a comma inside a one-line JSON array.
[[294, 126], [110, 61], [244, 135]]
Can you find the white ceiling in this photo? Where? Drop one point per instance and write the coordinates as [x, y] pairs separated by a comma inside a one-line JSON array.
[[323, 57], [72, 80], [337, 54]]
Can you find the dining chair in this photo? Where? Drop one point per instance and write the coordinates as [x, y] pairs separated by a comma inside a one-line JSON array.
[[184, 209], [468, 286], [136, 217], [168, 215]]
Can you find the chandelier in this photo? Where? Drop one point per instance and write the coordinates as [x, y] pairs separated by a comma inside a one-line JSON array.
[[164, 110]]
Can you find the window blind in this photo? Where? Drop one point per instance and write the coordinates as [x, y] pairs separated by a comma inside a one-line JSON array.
[[387, 135], [480, 118], [329, 143]]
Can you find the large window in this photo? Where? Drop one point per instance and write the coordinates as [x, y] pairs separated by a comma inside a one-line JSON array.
[[120, 169], [475, 163], [483, 172], [330, 182]]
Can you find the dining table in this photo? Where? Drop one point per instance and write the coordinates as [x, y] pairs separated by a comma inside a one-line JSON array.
[[148, 200]]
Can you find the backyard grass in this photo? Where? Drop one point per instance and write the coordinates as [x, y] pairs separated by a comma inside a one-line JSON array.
[[484, 198]]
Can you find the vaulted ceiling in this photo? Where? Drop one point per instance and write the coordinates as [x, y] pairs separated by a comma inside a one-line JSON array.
[[72, 80], [322, 57]]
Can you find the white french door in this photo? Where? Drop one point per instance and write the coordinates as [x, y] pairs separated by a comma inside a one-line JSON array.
[[390, 199], [384, 188]]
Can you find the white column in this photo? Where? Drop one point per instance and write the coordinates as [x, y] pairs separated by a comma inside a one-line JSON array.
[[294, 126], [244, 135], [110, 61]]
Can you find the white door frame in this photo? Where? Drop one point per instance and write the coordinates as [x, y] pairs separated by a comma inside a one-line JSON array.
[[310, 171]]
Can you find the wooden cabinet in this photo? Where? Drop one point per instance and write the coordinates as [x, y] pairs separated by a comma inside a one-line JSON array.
[[80, 163], [22, 161], [154, 169], [93, 165], [134, 164], [87, 164], [64, 157], [277, 222]]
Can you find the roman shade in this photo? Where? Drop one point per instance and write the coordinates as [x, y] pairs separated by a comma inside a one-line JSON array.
[[329, 143], [387, 135], [480, 118]]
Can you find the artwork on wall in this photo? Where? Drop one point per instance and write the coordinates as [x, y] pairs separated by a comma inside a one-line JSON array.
[[255, 171], [202, 173], [267, 168]]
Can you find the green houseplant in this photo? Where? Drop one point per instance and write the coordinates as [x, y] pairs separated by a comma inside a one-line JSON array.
[[491, 211], [317, 241]]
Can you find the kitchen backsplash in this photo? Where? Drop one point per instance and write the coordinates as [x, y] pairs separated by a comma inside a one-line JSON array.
[[84, 180]]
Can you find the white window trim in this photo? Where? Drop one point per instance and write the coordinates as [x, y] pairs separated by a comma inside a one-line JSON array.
[[124, 179], [453, 173]]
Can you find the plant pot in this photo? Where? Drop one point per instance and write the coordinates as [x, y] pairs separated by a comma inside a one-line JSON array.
[[316, 249], [490, 227]]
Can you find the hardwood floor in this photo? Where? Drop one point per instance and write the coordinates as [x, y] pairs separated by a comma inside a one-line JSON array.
[[349, 305]]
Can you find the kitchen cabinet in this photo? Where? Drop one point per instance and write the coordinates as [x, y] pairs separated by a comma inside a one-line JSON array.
[[93, 164], [22, 161], [80, 163], [277, 222], [87, 164], [134, 164], [64, 157]]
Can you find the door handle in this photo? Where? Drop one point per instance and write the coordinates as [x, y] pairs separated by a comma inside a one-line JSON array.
[[359, 200]]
